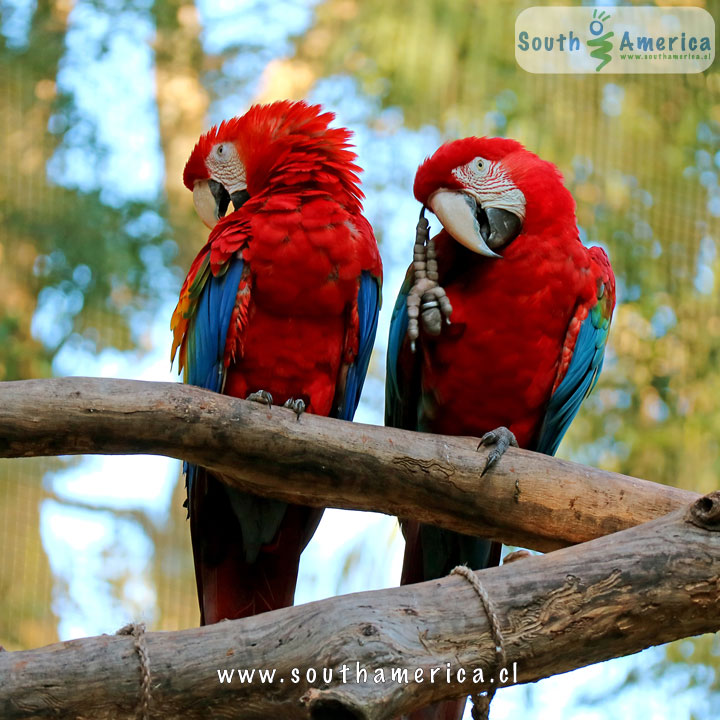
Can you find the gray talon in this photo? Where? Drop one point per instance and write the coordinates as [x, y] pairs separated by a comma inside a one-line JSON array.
[[297, 406], [261, 396], [502, 439]]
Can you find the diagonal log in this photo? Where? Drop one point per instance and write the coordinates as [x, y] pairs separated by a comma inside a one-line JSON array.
[[606, 598], [530, 500]]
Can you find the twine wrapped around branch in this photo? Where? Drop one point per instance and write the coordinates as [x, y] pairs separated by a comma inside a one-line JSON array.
[[137, 631], [481, 701]]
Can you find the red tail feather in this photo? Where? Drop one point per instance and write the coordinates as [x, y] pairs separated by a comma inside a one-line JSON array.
[[228, 586]]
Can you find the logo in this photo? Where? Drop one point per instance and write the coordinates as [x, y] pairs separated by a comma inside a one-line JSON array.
[[602, 45], [614, 40]]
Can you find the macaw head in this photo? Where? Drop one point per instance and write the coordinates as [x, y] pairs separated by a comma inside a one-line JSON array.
[[486, 191], [278, 147]]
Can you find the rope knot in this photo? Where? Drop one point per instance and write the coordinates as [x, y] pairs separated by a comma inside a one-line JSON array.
[[481, 701], [137, 631]]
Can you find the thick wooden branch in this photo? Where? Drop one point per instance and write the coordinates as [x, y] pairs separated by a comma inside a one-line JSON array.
[[530, 500], [606, 598]]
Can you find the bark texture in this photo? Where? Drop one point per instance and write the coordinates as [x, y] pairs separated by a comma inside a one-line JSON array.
[[528, 499], [606, 598]]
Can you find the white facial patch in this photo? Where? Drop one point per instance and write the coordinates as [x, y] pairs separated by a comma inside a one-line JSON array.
[[225, 167], [491, 186]]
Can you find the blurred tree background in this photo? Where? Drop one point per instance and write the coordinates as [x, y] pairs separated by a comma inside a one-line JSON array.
[[101, 102]]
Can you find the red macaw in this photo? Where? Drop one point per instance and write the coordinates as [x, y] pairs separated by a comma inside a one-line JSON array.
[[281, 306], [525, 334]]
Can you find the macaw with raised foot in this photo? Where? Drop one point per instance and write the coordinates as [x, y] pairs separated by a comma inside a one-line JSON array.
[[279, 306], [500, 327]]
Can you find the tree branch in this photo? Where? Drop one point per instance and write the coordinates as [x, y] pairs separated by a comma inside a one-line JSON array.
[[610, 597], [529, 499]]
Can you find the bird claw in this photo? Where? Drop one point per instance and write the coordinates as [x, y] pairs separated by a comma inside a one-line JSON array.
[[502, 439], [296, 405], [261, 396]]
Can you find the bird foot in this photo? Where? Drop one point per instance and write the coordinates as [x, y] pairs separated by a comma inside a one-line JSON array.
[[296, 405], [502, 439], [427, 303], [261, 396]]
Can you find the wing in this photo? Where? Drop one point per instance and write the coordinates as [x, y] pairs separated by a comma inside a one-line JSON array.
[[368, 307], [584, 367], [208, 328], [430, 552], [210, 306], [208, 319], [402, 384]]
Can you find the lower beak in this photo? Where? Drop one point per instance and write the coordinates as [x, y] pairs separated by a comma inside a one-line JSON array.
[[458, 213], [206, 203], [211, 200]]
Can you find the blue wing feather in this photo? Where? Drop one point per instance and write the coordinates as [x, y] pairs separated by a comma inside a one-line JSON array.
[[208, 328], [580, 379], [368, 308], [207, 333], [398, 331]]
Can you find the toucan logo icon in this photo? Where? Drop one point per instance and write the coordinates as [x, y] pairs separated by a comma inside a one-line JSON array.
[[600, 42]]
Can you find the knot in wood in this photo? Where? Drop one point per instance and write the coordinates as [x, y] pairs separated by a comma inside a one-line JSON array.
[[516, 555], [705, 512], [332, 705]]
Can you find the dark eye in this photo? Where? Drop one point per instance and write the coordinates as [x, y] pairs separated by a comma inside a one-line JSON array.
[[480, 164], [220, 150]]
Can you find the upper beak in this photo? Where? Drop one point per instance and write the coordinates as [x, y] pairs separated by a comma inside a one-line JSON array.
[[458, 213], [211, 200]]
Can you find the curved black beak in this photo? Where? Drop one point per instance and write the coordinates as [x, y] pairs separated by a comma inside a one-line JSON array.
[[212, 200], [239, 198], [479, 229], [222, 198], [503, 227]]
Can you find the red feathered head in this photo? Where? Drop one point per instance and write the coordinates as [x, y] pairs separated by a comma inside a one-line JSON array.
[[282, 147], [485, 191]]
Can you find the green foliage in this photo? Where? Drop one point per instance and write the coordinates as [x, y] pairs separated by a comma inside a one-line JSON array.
[[84, 257], [76, 266]]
